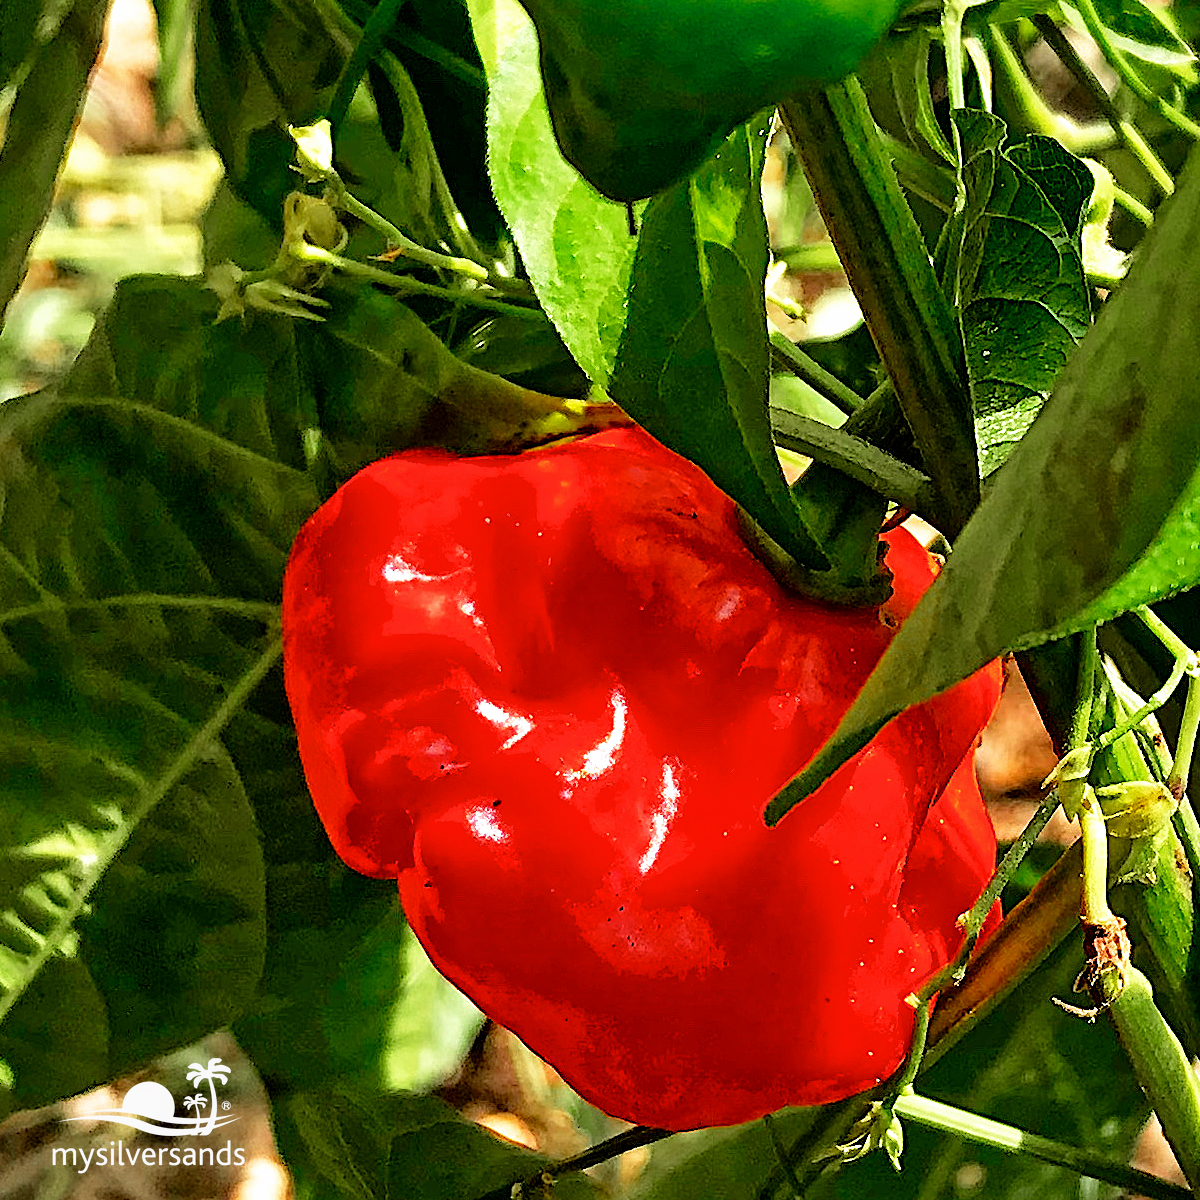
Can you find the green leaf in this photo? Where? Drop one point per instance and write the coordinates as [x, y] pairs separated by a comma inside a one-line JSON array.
[[494, 24], [368, 1147], [56, 1039], [139, 560], [575, 244], [736, 1163], [147, 746], [39, 125], [348, 1000], [177, 925], [1024, 301], [1097, 510], [371, 378], [908, 59], [694, 360], [430, 1024], [345, 989]]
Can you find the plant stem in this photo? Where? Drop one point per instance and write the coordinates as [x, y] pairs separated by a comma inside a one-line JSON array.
[[536, 1184], [1029, 933], [952, 19], [1172, 642], [1156, 701], [1185, 746], [416, 127], [1134, 207], [1034, 110], [786, 354], [986, 1132], [888, 266], [870, 466], [339, 197], [916, 1053], [815, 257], [1085, 690], [1094, 837], [1162, 1068], [306, 252], [1186, 661]]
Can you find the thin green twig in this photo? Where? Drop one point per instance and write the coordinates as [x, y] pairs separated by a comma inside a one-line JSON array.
[[306, 252], [985, 1132], [1133, 206], [786, 354], [338, 195]]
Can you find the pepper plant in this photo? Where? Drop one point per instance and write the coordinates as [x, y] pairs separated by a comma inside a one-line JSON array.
[[669, 752]]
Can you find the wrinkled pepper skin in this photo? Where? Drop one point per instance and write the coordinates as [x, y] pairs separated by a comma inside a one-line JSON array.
[[551, 694], [641, 91]]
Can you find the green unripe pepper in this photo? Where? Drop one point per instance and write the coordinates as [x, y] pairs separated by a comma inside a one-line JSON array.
[[641, 91]]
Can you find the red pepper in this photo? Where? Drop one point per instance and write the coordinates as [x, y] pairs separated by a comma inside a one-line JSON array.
[[552, 694]]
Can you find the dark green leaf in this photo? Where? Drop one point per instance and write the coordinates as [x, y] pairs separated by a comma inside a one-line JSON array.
[[737, 1163], [163, 511], [528, 352], [575, 244], [259, 68], [367, 1147], [346, 999], [694, 359], [176, 927], [146, 518], [1096, 512], [55, 1041], [371, 378], [140, 561], [39, 126], [1024, 302]]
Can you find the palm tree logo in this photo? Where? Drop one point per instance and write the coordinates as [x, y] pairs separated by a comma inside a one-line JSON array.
[[197, 1074]]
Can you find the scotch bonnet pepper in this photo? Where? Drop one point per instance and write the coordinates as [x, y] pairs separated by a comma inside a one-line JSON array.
[[551, 694]]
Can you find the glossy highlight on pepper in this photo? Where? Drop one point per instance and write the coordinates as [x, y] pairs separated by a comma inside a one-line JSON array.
[[551, 695]]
